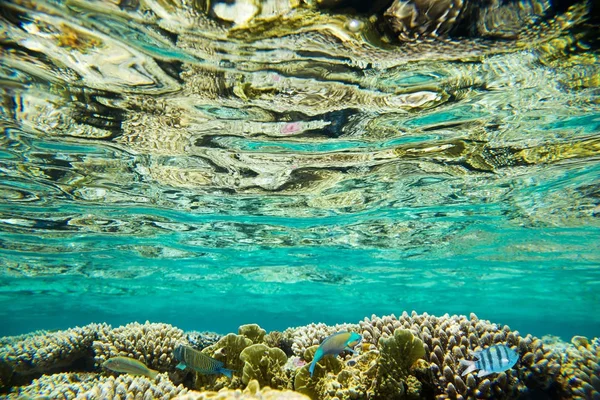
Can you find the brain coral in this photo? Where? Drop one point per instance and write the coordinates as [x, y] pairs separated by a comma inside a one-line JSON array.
[[448, 339], [44, 352], [68, 386], [302, 337], [150, 343]]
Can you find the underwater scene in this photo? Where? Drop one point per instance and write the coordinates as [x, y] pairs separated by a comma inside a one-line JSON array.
[[299, 199]]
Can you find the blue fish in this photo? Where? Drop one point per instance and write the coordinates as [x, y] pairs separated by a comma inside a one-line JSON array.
[[497, 358], [335, 344], [199, 362]]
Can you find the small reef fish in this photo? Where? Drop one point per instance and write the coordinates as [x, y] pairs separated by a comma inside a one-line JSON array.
[[335, 344], [497, 358], [200, 362], [129, 366]]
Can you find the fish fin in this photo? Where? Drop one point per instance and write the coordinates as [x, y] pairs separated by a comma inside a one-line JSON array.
[[350, 350], [470, 366], [483, 373], [152, 373], [311, 369], [227, 372], [181, 366]]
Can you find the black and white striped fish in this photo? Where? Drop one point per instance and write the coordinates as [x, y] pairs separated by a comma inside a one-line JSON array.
[[198, 361], [497, 358]]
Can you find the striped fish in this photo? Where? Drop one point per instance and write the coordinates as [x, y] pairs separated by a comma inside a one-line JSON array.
[[199, 362], [497, 358]]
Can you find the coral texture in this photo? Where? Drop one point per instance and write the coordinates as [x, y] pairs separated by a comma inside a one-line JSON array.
[[150, 343], [399, 353], [581, 369], [448, 339], [252, 332], [67, 386], [252, 392], [302, 337], [265, 365], [25, 356], [201, 340]]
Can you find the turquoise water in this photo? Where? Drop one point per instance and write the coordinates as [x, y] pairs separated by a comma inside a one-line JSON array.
[[160, 171]]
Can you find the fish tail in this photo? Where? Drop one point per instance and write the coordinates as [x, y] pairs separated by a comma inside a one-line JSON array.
[[227, 372], [311, 369], [470, 366], [152, 373]]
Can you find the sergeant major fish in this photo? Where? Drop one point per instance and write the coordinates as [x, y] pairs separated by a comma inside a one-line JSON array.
[[200, 362], [335, 344], [497, 358], [129, 366]]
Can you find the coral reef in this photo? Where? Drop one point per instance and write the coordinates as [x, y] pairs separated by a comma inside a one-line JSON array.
[[448, 339], [226, 350], [581, 368], [24, 356], [252, 392], [303, 337], [252, 332], [411, 357], [399, 353], [201, 340], [67, 386], [265, 365], [150, 343]]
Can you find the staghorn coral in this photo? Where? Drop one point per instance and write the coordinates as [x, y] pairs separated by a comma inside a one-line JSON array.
[[252, 332], [398, 354], [448, 339], [265, 365], [581, 368], [252, 392], [44, 352], [303, 337], [68, 386], [150, 343]]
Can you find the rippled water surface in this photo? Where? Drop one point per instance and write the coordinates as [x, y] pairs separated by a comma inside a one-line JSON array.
[[158, 164]]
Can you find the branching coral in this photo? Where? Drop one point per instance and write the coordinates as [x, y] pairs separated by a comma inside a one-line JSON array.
[[448, 339], [68, 386], [252, 392], [150, 343], [581, 369], [26, 355]]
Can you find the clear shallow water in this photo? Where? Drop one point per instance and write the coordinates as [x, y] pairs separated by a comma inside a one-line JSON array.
[[156, 167]]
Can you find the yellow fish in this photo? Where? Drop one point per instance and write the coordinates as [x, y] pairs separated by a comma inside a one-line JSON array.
[[129, 366]]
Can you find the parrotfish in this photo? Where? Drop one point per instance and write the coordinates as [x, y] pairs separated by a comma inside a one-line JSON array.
[[497, 358], [200, 362], [129, 366], [335, 344]]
